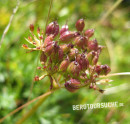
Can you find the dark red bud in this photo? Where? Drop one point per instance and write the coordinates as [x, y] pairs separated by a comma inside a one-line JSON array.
[[31, 27], [89, 33], [80, 24], [43, 57], [67, 36], [64, 28], [48, 40], [60, 54], [64, 64], [102, 69], [38, 30], [72, 85], [65, 48], [83, 61], [49, 48], [91, 85], [80, 41], [74, 68], [52, 28], [93, 45], [25, 46], [36, 78], [73, 52]]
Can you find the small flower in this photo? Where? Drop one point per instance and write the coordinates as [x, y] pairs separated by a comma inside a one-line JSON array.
[[67, 36], [72, 85], [64, 65], [80, 25], [93, 45], [52, 28], [89, 33], [64, 28], [31, 27]]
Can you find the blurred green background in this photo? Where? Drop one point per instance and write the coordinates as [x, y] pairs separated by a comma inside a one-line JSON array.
[[17, 67]]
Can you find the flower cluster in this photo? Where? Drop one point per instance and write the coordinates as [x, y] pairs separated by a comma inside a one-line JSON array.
[[71, 54]]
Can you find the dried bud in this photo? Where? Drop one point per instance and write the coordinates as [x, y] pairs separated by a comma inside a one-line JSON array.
[[31, 27], [102, 69], [80, 41], [72, 54], [93, 45], [36, 78], [52, 28], [89, 33], [67, 36], [64, 28], [64, 64], [43, 57], [74, 68], [80, 24], [72, 85]]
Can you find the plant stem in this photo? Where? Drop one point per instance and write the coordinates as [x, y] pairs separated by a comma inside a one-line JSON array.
[[116, 74]]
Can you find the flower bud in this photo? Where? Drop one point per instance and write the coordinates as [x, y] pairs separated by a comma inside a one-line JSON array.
[[93, 45], [25, 46], [48, 39], [72, 85], [89, 33], [80, 41], [49, 48], [95, 59], [30, 39], [64, 64], [52, 28], [80, 25], [67, 36], [65, 48], [90, 56], [72, 54], [74, 68], [31, 27], [102, 69], [43, 58], [83, 61], [60, 54], [36, 78], [64, 28], [38, 30]]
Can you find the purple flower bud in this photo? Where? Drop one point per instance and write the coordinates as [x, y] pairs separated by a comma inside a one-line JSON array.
[[60, 54], [36, 78], [83, 61], [95, 59], [49, 48], [80, 41], [67, 36], [64, 28], [102, 69], [72, 85], [31, 27], [89, 33], [52, 28], [72, 54], [43, 57], [80, 25], [64, 64], [48, 40], [65, 48], [93, 45], [74, 68]]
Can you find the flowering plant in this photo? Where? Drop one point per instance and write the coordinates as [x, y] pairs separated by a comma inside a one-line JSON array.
[[73, 55]]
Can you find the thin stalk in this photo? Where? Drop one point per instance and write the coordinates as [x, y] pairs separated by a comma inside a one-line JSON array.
[[26, 104], [116, 74]]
